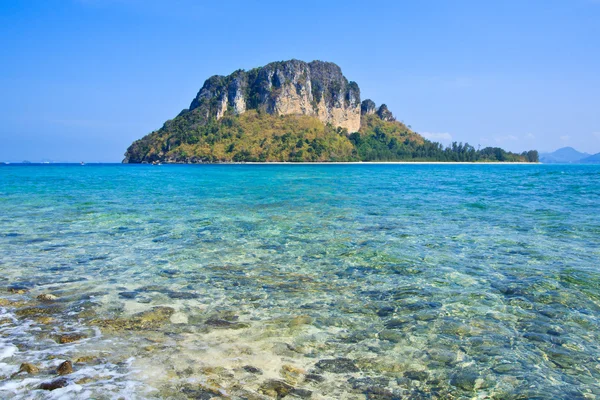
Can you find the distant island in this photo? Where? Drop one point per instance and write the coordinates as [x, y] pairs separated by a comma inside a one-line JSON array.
[[568, 155], [294, 111]]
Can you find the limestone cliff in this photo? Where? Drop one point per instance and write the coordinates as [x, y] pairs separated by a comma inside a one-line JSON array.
[[368, 107], [292, 87]]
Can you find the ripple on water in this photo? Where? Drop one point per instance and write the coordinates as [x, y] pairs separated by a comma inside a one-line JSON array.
[[322, 281]]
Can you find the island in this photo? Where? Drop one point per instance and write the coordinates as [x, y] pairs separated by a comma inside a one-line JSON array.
[[294, 111]]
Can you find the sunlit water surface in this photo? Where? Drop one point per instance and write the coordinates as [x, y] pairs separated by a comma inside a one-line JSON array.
[[328, 281]]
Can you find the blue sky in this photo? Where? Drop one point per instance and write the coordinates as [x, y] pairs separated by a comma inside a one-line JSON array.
[[82, 79]]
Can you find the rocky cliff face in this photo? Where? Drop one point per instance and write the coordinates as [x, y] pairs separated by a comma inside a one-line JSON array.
[[385, 114], [292, 87], [368, 107]]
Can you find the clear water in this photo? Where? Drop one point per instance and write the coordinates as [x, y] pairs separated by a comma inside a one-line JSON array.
[[428, 281]]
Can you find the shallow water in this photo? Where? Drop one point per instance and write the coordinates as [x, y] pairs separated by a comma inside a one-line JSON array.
[[418, 281]]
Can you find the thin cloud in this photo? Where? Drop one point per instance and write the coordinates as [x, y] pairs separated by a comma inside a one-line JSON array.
[[441, 136], [507, 138], [565, 138], [597, 134], [530, 136]]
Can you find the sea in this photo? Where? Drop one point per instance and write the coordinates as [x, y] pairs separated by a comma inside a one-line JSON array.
[[325, 281]]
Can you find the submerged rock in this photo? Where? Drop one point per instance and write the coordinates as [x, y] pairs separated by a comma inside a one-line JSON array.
[[337, 366], [151, 319], [373, 387], [154, 315], [252, 370], [70, 338], [562, 358], [505, 368], [86, 380], [46, 297], [381, 393], [358, 336], [37, 311], [426, 316], [302, 393], [55, 384], [539, 337], [128, 295], [45, 320], [183, 295], [386, 311], [368, 382], [276, 388], [29, 368], [152, 288], [396, 323], [416, 375], [301, 320], [65, 368], [201, 392], [442, 356], [224, 324], [292, 374], [18, 289], [314, 378], [85, 359], [5, 302], [464, 380], [391, 335]]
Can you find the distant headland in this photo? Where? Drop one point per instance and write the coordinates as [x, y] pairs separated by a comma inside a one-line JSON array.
[[294, 111], [568, 155]]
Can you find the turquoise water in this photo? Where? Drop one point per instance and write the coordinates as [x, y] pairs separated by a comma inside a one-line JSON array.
[[418, 281]]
